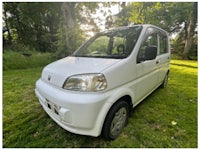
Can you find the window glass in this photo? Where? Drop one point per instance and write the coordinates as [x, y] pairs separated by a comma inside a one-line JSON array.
[[98, 45], [149, 44], [116, 43], [163, 44]]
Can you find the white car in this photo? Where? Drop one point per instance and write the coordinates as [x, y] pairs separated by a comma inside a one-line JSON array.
[[93, 91]]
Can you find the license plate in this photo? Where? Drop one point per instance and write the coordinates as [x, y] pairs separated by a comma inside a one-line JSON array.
[[53, 107]]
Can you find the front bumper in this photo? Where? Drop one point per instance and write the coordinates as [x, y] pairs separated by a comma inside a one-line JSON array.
[[77, 112]]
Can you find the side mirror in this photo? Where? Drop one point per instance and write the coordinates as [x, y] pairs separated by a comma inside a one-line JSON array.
[[151, 52]]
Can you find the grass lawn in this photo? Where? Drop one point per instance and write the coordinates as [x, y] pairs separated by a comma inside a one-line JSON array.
[[167, 118]]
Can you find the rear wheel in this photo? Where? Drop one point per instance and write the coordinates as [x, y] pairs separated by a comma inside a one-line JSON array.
[[165, 81], [115, 121]]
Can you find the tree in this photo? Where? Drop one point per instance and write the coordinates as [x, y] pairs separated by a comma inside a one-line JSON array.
[[190, 31], [120, 19], [73, 16], [6, 28], [32, 24], [48, 26], [174, 17]]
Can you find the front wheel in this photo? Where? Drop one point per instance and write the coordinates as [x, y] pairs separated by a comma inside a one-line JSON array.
[[115, 121]]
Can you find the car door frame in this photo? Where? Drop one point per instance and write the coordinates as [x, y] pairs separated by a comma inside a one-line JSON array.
[[164, 58], [147, 71]]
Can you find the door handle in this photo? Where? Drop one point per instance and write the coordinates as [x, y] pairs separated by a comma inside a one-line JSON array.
[[157, 61]]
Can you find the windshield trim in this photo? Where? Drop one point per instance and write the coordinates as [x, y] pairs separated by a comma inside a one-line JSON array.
[[107, 57]]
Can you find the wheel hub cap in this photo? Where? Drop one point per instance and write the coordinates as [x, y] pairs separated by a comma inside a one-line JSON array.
[[118, 121]]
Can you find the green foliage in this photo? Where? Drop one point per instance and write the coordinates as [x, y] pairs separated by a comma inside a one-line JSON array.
[[75, 38], [46, 26], [123, 17], [178, 44], [35, 23], [20, 60], [178, 18], [165, 119], [167, 15]]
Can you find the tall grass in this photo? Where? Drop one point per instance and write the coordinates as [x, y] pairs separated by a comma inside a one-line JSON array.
[[16, 60]]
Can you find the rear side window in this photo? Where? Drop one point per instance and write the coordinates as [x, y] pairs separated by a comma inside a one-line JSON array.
[[163, 44]]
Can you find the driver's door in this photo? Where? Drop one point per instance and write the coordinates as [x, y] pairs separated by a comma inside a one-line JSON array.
[[147, 70]]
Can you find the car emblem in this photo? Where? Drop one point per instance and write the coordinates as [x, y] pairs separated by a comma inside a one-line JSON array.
[[49, 77]]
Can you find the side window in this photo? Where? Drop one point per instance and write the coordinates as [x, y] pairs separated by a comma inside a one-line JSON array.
[[148, 48], [163, 44]]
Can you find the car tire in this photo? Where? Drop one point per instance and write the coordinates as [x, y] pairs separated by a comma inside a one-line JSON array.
[[165, 81], [115, 121]]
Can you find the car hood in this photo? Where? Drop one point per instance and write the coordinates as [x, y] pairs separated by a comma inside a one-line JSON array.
[[57, 72]]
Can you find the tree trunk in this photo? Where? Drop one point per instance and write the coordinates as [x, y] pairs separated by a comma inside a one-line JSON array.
[[68, 13], [9, 42], [190, 32], [68, 23]]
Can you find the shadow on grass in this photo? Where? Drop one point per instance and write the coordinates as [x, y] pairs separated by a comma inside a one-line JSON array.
[[184, 65]]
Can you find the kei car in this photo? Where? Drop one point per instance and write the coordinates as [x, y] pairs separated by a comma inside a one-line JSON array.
[[92, 91]]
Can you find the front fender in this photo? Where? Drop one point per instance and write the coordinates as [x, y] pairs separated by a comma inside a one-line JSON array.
[[118, 93], [112, 97]]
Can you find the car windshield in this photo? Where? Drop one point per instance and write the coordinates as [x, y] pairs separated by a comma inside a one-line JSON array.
[[116, 43]]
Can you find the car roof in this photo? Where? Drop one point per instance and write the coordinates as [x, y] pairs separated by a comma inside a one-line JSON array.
[[131, 26]]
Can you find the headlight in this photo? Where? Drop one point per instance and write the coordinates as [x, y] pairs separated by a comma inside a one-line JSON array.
[[86, 83]]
